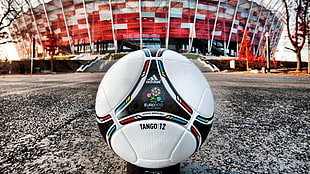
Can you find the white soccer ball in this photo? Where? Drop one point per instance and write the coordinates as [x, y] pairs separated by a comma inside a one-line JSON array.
[[154, 107]]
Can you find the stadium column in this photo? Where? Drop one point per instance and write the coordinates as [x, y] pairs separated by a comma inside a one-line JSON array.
[[168, 25], [47, 19], [276, 34], [35, 22], [280, 16], [67, 29], [22, 40], [275, 37], [272, 25], [257, 23], [192, 32], [27, 34], [308, 49], [214, 26], [275, 24], [50, 31], [264, 30], [88, 29], [247, 22], [140, 24], [112, 23], [232, 25]]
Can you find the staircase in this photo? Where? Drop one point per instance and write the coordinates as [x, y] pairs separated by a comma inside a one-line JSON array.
[[101, 66], [98, 65]]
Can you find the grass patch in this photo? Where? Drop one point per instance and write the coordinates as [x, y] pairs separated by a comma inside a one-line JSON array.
[[117, 56], [191, 56]]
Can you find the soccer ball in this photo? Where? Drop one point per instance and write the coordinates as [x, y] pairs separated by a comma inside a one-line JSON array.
[[154, 108]]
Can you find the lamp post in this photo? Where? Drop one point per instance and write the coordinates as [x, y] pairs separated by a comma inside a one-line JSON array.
[[33, 52], [267, 51]]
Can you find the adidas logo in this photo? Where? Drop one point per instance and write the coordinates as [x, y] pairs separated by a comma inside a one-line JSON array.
[[152, 80]]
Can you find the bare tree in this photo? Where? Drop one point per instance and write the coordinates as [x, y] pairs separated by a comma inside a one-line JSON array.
[[10, 10], [297, 24]]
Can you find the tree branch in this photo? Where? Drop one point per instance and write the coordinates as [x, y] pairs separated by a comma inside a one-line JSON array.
[[290, 49], [11, 11]]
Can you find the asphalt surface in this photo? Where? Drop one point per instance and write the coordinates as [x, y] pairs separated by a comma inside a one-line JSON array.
[[261, 125]]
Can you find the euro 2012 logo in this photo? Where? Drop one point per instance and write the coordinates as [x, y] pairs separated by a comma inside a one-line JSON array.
[[154, 95]]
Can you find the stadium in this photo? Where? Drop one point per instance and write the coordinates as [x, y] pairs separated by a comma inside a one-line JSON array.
[[210, 27]]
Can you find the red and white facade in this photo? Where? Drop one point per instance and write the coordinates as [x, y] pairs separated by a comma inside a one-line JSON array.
[[97, 26]]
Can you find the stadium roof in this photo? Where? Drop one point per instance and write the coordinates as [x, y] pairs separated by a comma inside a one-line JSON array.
[[275, 6], [52, 7]]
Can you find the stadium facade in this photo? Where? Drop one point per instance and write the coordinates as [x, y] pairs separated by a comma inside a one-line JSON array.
[[95, 26]]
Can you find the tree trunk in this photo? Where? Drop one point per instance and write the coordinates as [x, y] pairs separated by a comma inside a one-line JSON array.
[[298, 59]]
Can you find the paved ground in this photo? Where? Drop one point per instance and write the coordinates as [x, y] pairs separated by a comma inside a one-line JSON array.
[[261, 125]]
